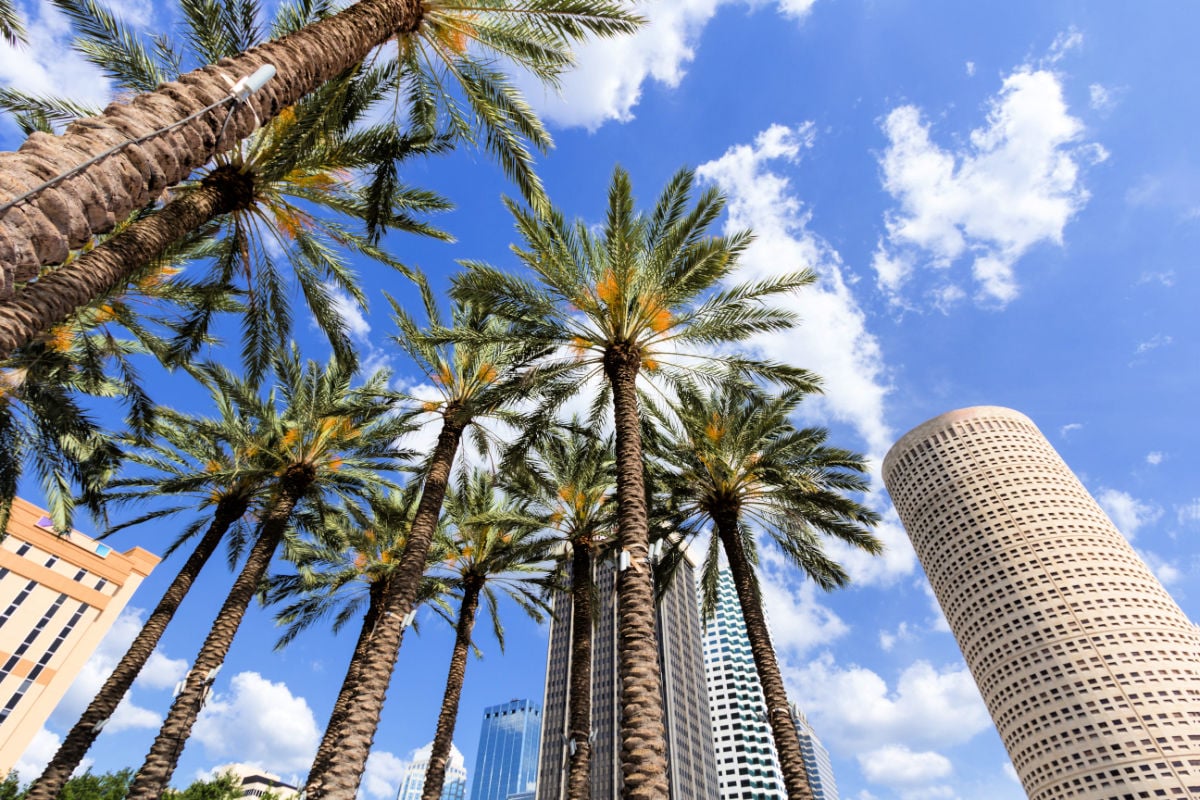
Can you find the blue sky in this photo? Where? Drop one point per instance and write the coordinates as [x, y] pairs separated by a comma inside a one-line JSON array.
[[1001, 201]]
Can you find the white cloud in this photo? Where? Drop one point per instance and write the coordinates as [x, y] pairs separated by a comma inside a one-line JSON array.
[[1065, 42], [1165, 278], [888, 639], [1101, 98], [798, 621], [1154, 458], [929, 708], [1188, 513], [833, 335], [1127, 512], [1153, 343], [1069, 428], [259, 722], [383, 775], [1015, 185], [97, 669], [607, 81], [1167, 572], [37, 755], [970, 68], [896, 765]]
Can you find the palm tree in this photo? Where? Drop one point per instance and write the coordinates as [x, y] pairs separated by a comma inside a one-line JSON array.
[[569, 483], [460, 39], [190, 457], [345, 564], [636, 298], [284, 191], [46, 427], [12, 29], [736, 461], [497, 548], [476, 383], [327, 440]]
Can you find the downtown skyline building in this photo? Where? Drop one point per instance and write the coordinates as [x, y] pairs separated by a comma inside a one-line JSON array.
[[59, 595], [817, 766], [453, 788], [690, 756], [1089, 669], [506, 761], [747, 764]]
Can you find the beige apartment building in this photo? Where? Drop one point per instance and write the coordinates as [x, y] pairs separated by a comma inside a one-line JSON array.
[[59, 595], [1090, 670]]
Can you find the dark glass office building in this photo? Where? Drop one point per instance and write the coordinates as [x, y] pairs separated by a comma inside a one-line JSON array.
[[507, 761]]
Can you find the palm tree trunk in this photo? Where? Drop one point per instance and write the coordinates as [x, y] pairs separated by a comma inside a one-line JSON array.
[[579, 702], [643, 734], [350, 683], [435, 773], [42, 229], [53, 298], [787, 741], [80, 739], [164, 754], [340, 777]]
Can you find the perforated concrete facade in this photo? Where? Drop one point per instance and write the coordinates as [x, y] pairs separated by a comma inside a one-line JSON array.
[[1089, 669]]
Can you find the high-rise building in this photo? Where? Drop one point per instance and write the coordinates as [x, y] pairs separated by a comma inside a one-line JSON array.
[[256, 783], [1089, 669], [453, 788], [747, 764], [59, 595], [690, 758], [507, 760], [817, 766]]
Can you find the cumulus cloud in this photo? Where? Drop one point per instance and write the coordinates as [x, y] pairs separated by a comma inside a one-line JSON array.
[[888, 639], [798, 620], [929, 708], [1070, 428], [37, 755], [383, 775], [259, 722], [47, 66], [1153, 343], [1014, 185], [1154, 458], [833, 337], [1127, 512], [610, 74], [896, 765], [970, 69], [1168, 572], [159, 672]]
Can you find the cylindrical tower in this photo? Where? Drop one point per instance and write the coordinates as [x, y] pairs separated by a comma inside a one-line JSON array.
[[1089, 669]]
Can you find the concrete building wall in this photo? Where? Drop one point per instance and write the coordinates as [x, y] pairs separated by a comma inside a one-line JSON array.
[[1089, 669], [59, 595]]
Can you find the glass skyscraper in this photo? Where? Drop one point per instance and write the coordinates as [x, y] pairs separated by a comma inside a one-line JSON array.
[[455, 785], [816, 759], [507, 760]]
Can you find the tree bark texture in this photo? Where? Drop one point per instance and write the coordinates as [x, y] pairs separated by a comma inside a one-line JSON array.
[[53, 298], [783, 729], [163, 757], [579, 686], [643, 734], [339, 779], [350, 684], [81, 737], [435, 773], [44, 228]]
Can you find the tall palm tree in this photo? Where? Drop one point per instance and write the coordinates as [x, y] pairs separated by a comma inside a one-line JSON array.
[[189, 457], [346, 564], [47, 425], [12, 28], [459, 39], [320, 438], [496, 548], [569, 483], [637, 298], [736, 462], [476, 383], [282, 202]]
